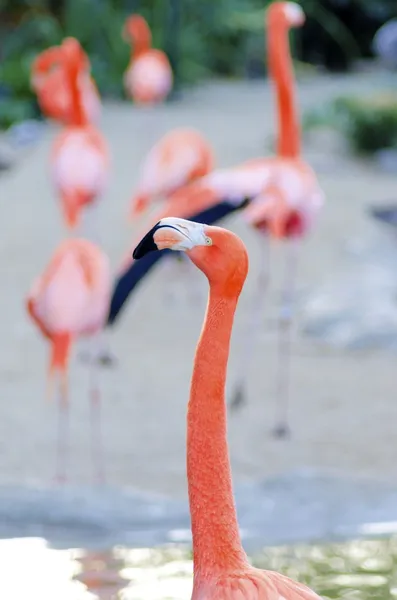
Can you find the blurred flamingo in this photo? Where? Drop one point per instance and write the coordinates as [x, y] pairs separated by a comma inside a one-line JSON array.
[[80, 158], [148, 79], [288, 202], [178, 158], [49, 80], [69, 300], [221, 570]]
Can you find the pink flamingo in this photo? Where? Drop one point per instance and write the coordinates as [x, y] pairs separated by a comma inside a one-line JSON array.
[[49, 80], [148, 79], [220, 566], [69, 300], [80, 157], [286, 207]]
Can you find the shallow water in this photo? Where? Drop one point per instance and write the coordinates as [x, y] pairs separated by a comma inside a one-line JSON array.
[[31, 568], [296, 507]]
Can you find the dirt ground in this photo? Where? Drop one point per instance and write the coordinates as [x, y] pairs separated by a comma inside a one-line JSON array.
[[344, 409]]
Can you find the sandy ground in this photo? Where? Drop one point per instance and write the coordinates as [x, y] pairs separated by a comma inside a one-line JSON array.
[[343, 411]]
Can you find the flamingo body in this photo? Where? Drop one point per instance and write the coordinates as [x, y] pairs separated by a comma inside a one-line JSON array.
[[72, 294], [148, 78], [80, 164], [178, 158], [289, 201]]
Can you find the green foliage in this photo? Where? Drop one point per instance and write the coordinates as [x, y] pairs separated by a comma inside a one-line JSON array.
[[224, 37], [369, 124], [14, 111]]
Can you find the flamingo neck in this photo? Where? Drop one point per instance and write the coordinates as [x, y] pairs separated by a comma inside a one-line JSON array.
[[77, 111], [138, 50], [281, 70], [216, 540], [142, 42]]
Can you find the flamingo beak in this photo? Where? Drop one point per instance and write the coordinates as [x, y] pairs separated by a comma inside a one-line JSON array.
[[172, 234]]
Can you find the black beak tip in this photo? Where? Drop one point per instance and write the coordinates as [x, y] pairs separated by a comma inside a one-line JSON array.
[[136, 255], [146, 245]]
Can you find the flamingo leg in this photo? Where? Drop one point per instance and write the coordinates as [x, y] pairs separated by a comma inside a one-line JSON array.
[[104, 356], [63, 433], [97, 454], [281, 428], [239, 398]]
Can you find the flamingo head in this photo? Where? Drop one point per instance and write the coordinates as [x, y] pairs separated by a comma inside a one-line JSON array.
[[172, 233], [217, 252], [290, 14], [72, 51], [136, 30]]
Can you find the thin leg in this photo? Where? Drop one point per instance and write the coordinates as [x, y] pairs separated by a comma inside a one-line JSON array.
[[103, 355], [281, 428], [63, 433], [239, 394], [95, 416]]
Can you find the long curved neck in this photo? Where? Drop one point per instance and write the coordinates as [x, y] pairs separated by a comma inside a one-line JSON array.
[[281, 70], [142, 41], [77, 110], [216, 539]]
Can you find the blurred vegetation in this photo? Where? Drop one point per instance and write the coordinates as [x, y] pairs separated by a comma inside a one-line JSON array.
[[221, 37], [368, 123]]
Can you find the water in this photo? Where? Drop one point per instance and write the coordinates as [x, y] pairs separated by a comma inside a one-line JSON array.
[[31, 568], [80, 543], [75, 543], [303, 505]]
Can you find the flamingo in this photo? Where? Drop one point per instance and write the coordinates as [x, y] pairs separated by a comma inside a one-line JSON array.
[[69, 300], [50, 83], [287, 203], [80, 157], [148, 79], [178, 158], [221, 570]]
